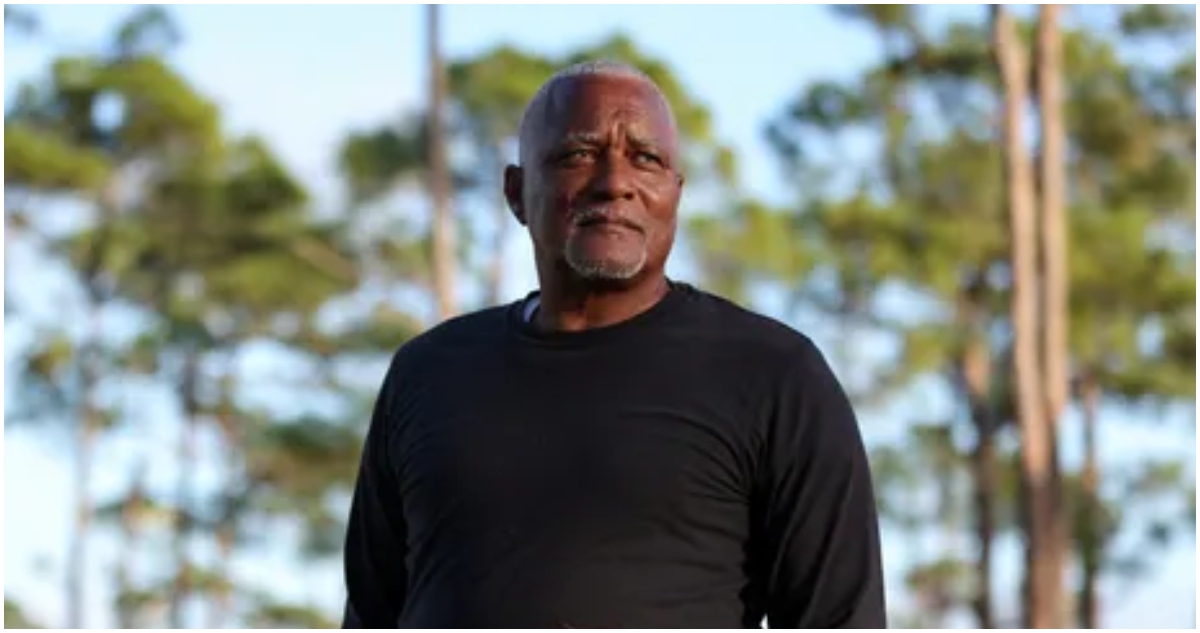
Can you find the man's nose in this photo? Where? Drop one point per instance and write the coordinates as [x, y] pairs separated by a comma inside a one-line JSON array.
[[613, 179]]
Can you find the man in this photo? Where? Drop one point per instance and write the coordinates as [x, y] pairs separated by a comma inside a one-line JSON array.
[[619, 449]]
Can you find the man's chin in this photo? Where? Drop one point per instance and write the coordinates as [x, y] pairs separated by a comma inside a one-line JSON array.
[[607, 274]]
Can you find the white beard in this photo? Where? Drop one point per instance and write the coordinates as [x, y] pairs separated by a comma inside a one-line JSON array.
[[605, 269]]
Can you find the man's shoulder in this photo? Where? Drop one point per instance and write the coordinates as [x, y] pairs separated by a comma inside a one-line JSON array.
[[756, 333], [472, 329]]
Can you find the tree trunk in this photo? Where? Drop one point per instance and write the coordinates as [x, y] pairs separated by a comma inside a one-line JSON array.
[[130, 512], [1043, 585], [181, 586], [77, 559], [90, 419], [975, 368], [1053, 209], [1056, 380], [226, 529], [983, 460], [222, 600], [222, 594], [1091, 547], [495, 277], [444, 269]]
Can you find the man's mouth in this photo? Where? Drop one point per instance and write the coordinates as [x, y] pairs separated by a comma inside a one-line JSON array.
[[601, 219]]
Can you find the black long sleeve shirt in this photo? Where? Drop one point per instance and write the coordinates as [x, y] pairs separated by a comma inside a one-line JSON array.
[[695, 466]]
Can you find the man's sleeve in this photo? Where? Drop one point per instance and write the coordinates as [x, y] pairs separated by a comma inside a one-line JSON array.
[[376, 576], [822, 550]]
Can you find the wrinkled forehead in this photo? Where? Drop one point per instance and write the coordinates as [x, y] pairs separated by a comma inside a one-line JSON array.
[[591, 106]]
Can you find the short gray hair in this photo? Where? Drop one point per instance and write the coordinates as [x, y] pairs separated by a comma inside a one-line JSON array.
[[592, 68]]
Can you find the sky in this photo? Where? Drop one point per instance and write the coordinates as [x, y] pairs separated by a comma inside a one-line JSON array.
[[303, 76]]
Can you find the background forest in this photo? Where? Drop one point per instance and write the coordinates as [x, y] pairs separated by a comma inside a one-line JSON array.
[[221, 221]]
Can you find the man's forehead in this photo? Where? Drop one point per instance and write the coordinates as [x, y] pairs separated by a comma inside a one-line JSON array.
[[633, 132], [584, 95], [593, 109], [575, 106]]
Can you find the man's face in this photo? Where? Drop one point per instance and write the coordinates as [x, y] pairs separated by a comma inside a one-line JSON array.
[[599, 188]]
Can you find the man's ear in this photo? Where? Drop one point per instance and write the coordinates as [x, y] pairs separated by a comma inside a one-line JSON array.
[[513, 192]]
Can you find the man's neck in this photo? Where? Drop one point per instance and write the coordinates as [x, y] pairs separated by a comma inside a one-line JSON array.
[[579, 306]]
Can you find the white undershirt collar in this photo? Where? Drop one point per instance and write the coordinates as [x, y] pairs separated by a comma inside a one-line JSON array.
[[531, 307]]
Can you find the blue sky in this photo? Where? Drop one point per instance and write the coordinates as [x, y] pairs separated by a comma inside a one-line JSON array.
[[303, 76]]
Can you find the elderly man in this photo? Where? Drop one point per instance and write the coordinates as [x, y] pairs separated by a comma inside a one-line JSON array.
[[618, 449]]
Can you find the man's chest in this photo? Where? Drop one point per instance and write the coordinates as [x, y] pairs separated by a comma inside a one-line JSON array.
[[574, 455]]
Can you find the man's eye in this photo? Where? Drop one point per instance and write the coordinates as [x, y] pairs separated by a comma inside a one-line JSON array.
[[646, 157], [572, 157]]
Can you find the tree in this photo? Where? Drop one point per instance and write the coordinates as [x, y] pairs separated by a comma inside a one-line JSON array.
[[61, 146], [205, 242], [1135, 180], [21, 20], [444, 257], [14, 616], [1039, 306], [920, 217], [490, 92]]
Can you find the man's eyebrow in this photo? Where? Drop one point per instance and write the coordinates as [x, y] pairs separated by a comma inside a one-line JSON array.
[[645, 142], [588, 138], [591, 138]]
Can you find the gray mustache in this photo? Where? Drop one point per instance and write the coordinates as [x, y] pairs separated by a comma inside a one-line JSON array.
[[594, 215]]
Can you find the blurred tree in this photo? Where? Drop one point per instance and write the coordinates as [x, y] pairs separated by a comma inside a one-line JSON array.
[[1135, 182], [15, 618], [204, 236], [444, 256], [1053, 288], [133, 512], [926, 478], [273, 615], [861, 242], [20, 19], [257, 240], [63, 143], [490, 92], [1042, 500]]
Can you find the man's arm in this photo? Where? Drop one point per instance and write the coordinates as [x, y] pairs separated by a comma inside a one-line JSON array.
[[822, 549], [376, 576]]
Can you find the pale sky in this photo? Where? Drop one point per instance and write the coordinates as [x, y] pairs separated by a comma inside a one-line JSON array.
[[302, 76]]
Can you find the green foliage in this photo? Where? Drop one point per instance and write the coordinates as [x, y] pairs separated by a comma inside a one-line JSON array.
[[162, 115], [1157, 19], [210, 238], [750, 237], [372, 163], [14, 616], [42, 378], [277, 615], [940, 586], [492, 89], [40, 160], [380, 331], [304, 458], [149, 31]]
